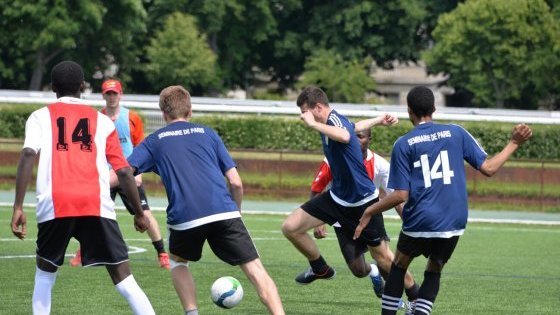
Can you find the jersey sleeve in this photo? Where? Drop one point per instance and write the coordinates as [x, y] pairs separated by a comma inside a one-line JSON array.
[[136, 128], [113, 151], [473, 152], [142, 158], [399, 172], [33, 132], [322, 178], [382, 171], [224, 159]]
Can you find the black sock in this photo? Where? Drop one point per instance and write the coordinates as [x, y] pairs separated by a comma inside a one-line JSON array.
[[428, 293], [158, 245], [393, 291], [412, 292], [319, 265]]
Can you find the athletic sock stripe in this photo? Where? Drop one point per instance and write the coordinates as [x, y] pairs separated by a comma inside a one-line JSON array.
[[390, 298], [425, 302], [424, 308]]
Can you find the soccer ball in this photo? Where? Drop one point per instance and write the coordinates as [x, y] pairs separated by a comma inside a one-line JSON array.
[[226, 292]]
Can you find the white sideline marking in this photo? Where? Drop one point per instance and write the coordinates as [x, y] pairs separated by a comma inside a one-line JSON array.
[[131, 250], [395, 217]]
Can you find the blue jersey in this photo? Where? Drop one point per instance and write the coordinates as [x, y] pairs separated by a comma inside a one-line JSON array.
[[428, 162], [123, 129], [351, 185], [191, 160]]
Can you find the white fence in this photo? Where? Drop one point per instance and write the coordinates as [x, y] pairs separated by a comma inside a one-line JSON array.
[[148, 105]]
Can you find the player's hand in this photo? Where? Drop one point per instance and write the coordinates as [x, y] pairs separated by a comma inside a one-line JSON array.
[[19, 223], [308, 118], [364, 220], [141, 222], [320, 232], [389, 120], [521, 133]]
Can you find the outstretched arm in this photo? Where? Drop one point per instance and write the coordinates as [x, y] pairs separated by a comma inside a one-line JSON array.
[[383, 120], [390, 201], [335, 133], [128, 185], [520, 134]]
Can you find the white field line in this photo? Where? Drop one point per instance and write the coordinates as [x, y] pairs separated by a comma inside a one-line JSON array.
[[394, 217]]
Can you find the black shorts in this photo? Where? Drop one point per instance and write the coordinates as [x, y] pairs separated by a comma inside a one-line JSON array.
[[436, 249], [324, 208], [124, 198], [228, 239], [351, 249], [101, 241]]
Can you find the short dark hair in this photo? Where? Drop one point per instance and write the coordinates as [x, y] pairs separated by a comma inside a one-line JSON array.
[[312, 95], [421, 101], [67, 77], [366, 132]]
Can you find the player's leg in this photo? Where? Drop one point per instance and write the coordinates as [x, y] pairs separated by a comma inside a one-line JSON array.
[[186, 246], [265, 286], [231, 242], [106, 247], [353, 253], [311, 214], [440, 251], [52, 239], [184, 285], [153, 231]]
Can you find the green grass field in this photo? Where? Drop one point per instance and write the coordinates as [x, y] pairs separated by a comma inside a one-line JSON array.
[[496, 269]]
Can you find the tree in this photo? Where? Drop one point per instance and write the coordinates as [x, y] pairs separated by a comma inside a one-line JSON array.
[[179, 54], [343, 81], [502, 50], [36, 34]]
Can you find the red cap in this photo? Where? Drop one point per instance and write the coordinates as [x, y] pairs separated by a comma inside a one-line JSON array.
[[111, 85]]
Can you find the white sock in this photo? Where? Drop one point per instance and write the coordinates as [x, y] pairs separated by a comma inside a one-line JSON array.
[[136, 298], [374, 271], [44, 282]]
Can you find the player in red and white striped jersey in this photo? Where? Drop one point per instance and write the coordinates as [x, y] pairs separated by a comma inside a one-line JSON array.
[[75, 143]]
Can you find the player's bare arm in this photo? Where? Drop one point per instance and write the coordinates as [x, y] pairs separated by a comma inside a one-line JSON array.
[[128, 185], [23, 177], [390, 201], [235, 186], [383, 120], [332, 132], [521, 133]]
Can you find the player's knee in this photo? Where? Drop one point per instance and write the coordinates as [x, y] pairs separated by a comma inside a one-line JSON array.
[[174, 264], [358, 271], [435, 265], [288, 228]]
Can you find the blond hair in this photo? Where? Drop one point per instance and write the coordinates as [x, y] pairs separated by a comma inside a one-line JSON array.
[[175, 102]]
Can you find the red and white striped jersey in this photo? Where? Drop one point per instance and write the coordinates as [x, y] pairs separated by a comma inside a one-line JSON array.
[[377, 169], [75, 143]]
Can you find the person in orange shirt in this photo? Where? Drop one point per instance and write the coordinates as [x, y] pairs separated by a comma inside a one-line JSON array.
[[131, 132]]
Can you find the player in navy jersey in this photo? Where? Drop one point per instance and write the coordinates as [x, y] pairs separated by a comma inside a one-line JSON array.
[[428, 172], [192, 161], [351, 191]]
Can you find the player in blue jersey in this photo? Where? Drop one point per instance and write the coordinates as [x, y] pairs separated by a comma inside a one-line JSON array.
[[351, 192], [428, 172], [192, 161]]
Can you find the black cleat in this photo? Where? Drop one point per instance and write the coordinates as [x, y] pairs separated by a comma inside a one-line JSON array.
[[309, 276]]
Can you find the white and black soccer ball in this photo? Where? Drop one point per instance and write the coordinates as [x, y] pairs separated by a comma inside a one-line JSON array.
[[226, 292]]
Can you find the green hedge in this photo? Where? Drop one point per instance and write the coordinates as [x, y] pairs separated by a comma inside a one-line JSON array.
[[289, 133], [281, 133]]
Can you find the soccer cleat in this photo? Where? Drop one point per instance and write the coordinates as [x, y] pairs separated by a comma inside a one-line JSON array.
[[163, 260], [410, 307], [378, 285], [77, 260], [309, 276]]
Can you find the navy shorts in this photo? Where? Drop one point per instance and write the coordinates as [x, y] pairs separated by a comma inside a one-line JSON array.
[[436, 249], [101, 241], [324, 208], [228, 239], [124, 198]]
